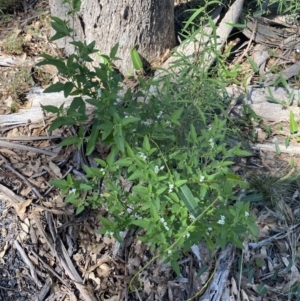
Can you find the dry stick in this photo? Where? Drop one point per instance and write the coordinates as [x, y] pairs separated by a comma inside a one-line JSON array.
[[215, 289], [34, 138], [28, 263], [26, 148], [7, 165], [44, 291], [46, 266], [248, 46], [224, 30]]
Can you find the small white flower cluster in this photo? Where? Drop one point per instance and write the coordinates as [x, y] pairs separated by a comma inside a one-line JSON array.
[[211, 142], [157, 169], [247, 214], [159, 114], [187, 235], [102, 170], [192, 217], [202, 178], [221, 221], [118, 100], [109, 233], [209, 128], [72, 190], [208, 230], [171, 187], [142, 155], [146, 122], [99, 93], [168, 123], [164, 223]]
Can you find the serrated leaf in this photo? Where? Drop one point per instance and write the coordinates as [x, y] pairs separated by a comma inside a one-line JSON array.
[[193, 133], [136, 175], [187, 197], [120, 142]]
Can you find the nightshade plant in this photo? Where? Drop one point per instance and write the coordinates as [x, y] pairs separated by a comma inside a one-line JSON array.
[[168, 170]]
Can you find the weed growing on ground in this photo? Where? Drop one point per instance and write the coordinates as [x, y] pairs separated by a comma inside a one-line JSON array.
[[168, 171]]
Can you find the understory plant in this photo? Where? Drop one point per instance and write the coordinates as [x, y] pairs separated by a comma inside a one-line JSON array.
[[167, 173]]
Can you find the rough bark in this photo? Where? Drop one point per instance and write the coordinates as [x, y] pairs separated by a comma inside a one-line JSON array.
[[147, 25]]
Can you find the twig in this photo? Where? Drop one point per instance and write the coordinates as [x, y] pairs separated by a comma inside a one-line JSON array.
[[44, 291], [33, 138], [28, 263], [26, 148], [8, 166]]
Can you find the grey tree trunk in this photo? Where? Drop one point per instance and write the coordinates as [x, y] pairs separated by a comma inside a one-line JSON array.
[[147, 25]]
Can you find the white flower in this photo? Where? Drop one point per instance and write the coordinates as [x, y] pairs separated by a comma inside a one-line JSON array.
[[147, 122], [169, 252], [187, 235], [102, 170], [77, 70], [247, 214], [142, 155], [171, 187], [192, 217], [156, 169], [109, 233], [72, 190], [99, 93], [159, 114], [162, 167], [118, 100], [222, 220], [168, 123], [209, 229], [211, 142], [209, 127], [201, 178]]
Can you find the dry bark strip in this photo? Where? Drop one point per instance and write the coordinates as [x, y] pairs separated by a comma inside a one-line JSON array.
[[219, 281]]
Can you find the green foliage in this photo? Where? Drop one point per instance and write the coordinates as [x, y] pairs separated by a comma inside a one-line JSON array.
[[170, 151]]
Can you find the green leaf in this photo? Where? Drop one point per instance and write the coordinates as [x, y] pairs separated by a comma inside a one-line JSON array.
[[57, 87], [111, 157], [253, 64], [51, 109], [287, 141], [128, 120], [180, 183], [255, 197], [234, 177], [141, 223], [136, 59], [261, 289], [93, 138], [146, 144], [61, 184], [85, 187], [175, 267], [79, 209], [101, 162], [136, 175], [60, 121], [114, 51], [293, 123], [76, 5], [120, 142], [278, 152], [193, 134], [141, 190], [176, 115], [68, 89], [70, 141], [187, 197]]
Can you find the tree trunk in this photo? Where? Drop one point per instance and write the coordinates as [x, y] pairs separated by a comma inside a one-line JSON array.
[[147, 25]]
